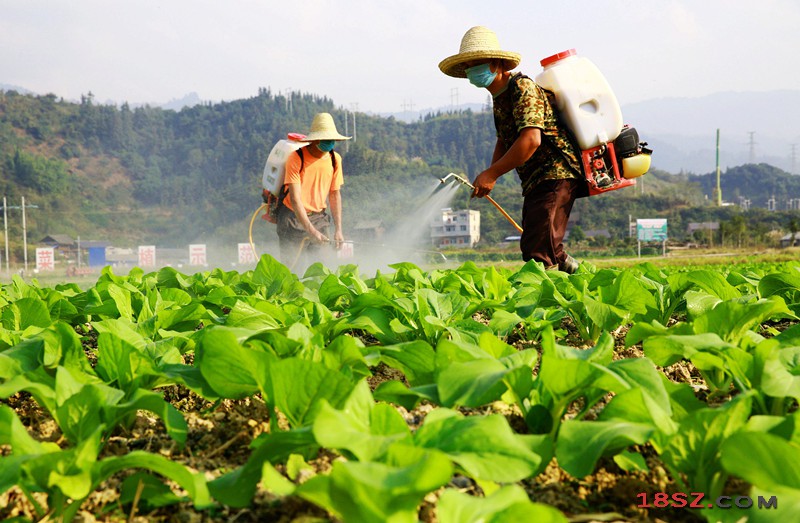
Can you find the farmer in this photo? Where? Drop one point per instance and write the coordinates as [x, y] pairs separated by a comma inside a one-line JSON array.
[[312, 182], [531, 139]]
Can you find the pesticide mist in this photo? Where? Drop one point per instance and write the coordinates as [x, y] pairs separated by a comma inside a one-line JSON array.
[[409, 238]]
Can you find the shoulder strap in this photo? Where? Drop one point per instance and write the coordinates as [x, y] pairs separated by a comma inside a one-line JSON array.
[[284, 191], [570, 136]]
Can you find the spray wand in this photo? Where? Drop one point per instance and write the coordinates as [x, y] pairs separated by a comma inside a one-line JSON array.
[[464, 181]]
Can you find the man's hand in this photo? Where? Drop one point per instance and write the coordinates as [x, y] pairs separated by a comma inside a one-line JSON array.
[[318, 236], [484, 183], [339, 238]]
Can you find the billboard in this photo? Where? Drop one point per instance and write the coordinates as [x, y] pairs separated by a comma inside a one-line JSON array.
[[45, 259], [147, 256], [246, 254], [197, 254], [651, 230]]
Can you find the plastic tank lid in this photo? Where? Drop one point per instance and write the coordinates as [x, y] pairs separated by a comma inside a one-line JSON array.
[[295, 137], [558, 56]]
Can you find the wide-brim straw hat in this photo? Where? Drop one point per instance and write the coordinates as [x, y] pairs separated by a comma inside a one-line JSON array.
[[323, 128], [479, 43]]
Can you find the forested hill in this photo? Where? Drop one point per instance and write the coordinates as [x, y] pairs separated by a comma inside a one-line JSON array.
[[106, 171], [128, 175]]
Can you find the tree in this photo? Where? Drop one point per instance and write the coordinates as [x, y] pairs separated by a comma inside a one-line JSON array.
[[794, 227], [576, 235]]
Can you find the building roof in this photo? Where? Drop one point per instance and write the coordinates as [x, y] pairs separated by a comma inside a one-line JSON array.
[[57, 239], [93, 244], [596, 233], [695, 226]]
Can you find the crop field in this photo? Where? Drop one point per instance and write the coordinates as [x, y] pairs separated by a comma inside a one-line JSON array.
[[458, 395]]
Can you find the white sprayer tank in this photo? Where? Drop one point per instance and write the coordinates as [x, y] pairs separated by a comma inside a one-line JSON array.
[[275, 168], [585, 100]]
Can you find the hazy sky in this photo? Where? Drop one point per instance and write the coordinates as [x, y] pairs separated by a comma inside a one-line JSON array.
[[384, 55]]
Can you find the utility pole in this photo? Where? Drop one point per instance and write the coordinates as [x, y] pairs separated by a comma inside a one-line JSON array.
[[752, 146], [24, 236], [354, 109], [289, 100], [24, 229], [719, 184], [5, 227], [346, 142]]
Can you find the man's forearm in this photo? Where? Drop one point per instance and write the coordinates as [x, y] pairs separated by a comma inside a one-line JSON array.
[[335, 198], [299, 209]]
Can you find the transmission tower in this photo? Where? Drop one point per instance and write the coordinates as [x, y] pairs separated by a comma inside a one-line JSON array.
[[454, 97], [794, 159], [752, 144]]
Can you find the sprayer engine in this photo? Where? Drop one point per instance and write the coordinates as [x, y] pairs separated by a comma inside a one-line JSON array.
[[614, 165]]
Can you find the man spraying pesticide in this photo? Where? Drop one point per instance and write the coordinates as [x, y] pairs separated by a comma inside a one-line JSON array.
[[301, 180], [538, 124]]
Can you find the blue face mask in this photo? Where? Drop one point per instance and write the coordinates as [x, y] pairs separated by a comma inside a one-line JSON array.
[[326, 145], [480, 75]]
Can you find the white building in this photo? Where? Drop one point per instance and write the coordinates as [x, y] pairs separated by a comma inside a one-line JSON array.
[[456, 228]]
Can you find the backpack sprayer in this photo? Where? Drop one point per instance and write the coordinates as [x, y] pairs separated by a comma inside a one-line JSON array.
[[611, 154], [464, 181]]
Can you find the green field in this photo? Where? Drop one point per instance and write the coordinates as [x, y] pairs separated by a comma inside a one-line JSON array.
[[480, 392]]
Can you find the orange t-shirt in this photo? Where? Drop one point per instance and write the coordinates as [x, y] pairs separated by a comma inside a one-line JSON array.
[[316, 181]]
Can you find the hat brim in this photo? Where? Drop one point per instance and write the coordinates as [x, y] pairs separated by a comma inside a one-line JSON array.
[[454, 65], [325, 135]]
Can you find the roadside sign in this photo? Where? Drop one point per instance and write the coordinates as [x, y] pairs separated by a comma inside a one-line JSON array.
[[246, 254], [197, 254], [45, 258], [651, 230], [147, 256]]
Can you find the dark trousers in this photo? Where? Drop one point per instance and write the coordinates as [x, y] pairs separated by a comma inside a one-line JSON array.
[[298, 249], [545, 213]]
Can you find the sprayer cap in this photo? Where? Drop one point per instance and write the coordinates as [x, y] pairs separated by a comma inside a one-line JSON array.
[[558, 56], [295, 137]]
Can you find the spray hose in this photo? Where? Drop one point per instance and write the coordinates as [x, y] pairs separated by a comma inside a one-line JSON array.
[[253, 246]]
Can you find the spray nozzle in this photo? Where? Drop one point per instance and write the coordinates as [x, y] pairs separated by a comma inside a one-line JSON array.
[[457, 178]]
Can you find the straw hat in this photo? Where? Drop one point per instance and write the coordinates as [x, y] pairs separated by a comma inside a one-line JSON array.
[[479, 43], [323, 128]]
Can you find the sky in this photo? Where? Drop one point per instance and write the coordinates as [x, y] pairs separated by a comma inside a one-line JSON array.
[[377, 56]]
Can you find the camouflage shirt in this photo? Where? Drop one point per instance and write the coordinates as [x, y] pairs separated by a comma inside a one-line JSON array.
[[525, 104]]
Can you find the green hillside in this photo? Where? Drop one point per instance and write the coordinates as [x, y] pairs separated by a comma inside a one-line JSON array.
[[130, 175]]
